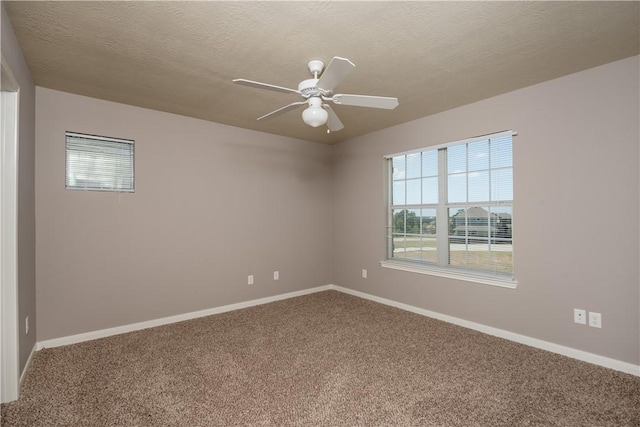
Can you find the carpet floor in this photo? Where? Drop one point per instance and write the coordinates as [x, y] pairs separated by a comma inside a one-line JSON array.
[[325, 359]]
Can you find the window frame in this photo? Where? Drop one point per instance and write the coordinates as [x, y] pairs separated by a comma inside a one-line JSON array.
[[99, 139], [442, 221]]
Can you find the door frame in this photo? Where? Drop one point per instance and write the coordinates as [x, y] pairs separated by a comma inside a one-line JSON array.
[[10, 348]]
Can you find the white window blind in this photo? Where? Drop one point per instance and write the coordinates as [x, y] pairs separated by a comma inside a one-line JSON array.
[[99, 163], [451, 207]]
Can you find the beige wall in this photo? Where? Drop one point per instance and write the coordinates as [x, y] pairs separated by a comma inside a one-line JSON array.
[[212, 205], [215, 203], [576, 231], [26, 189]]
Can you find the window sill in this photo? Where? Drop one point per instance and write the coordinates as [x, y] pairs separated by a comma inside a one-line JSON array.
[[450, 274]]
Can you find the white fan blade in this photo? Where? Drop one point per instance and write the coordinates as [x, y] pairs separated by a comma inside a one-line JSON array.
[[333, 122], [282, 110], [366, 101], [259, 85], [335, 72]]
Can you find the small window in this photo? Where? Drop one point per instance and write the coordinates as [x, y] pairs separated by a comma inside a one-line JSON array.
[[450, 209], [98, 163]]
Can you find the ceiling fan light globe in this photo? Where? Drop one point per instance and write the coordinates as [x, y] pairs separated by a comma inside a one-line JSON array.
[[315, 116]]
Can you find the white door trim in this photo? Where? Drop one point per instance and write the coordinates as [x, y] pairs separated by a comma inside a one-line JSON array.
[[9, 107]]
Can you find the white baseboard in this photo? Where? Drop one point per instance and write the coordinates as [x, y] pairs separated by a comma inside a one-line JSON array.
[[88, 336], [607, 362]]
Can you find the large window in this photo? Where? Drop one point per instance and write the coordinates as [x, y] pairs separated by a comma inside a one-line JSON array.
[[98, 163], [450, 208]]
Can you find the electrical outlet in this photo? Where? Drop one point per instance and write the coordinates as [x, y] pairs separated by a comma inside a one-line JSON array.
[[276, 275], [364, 273], [26, 325], [580, 316], [595, 320], [250, 280]]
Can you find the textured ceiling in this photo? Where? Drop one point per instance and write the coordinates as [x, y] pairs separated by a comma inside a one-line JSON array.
[[180, 57]]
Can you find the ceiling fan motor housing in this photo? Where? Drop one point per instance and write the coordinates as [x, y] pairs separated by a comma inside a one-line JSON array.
[[309, 88]]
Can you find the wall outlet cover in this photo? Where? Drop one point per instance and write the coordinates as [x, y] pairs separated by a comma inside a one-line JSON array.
[[595, 320], [580, 316]]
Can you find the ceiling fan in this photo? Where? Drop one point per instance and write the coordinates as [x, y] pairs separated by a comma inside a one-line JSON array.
[[319, 90]]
